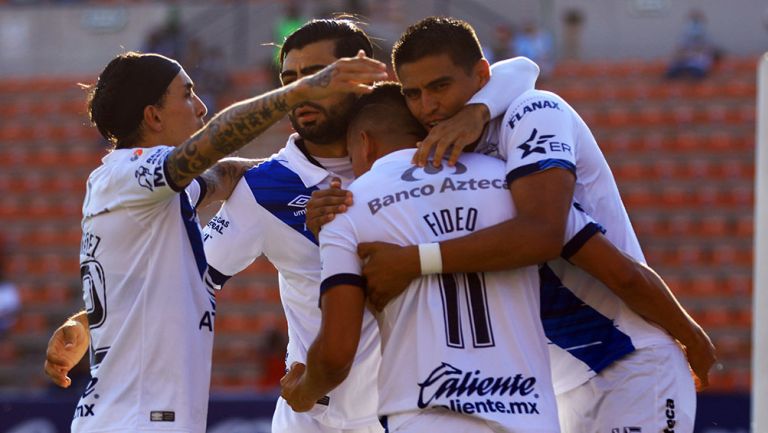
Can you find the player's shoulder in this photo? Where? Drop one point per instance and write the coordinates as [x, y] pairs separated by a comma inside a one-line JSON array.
[[269, 173], [473, 159]]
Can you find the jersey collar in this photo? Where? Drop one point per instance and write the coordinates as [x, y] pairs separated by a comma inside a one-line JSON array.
[[306, 167], [398, 155]]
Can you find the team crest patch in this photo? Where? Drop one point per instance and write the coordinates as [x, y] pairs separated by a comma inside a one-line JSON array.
[[136, 154], [144, 176]]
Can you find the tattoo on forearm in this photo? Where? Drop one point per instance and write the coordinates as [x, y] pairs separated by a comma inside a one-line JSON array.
[[230, 130]]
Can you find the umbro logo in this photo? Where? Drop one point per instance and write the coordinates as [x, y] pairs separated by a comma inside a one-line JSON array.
[[299, 201], [534, 143]]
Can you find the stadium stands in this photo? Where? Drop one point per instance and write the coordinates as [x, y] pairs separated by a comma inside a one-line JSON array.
[[683, 155]]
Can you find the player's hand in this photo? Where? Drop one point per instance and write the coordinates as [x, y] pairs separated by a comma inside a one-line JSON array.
[[453, 134], [346, 75], [701, 357], [66, 348], [325, 204], [388, 270], [290, 388]]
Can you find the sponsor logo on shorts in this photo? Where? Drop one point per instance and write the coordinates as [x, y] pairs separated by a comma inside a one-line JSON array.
[[471, 392], [627, 430], [669, 413]]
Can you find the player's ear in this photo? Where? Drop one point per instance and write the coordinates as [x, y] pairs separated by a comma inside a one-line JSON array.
[[369, 146], [152, 118], [482, 71]]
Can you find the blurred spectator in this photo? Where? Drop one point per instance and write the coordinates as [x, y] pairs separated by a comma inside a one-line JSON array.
[[696, 54], [169, 39], [207, 68], [9, 297], [500, 47], [573, 23], [536, 44]]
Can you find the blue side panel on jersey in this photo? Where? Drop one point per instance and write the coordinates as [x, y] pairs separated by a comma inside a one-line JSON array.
[[578, 328], [189, 216], [544, 164], [276, 189]]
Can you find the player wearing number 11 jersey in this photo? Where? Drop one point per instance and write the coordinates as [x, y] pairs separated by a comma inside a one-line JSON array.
[[460, 352]]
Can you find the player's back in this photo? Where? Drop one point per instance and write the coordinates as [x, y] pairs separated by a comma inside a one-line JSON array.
[[472, 343], [150, 313]]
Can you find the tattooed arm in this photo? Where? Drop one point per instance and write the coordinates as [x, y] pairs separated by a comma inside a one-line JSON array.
[[241, 122], [221, 179]]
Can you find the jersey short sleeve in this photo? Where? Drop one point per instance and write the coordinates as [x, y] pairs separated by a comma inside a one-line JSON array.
[[234, 237], [196, 192], [538, 133], [510, 78], [140, 179], [340, 263], [579, 228]]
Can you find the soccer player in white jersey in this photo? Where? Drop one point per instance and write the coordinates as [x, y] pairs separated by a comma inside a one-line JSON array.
[[460, 352], [438, 79], [146, 285], [613, 370], [265, 215]]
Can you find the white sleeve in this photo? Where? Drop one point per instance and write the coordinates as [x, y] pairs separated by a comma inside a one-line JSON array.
[[141, 179], [579, 228], [538, 133], [234, 237], [196, 191], [509, 79], [340, 263]]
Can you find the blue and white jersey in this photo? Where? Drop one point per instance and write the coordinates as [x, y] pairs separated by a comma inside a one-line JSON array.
[[151, 315], [472, 343], [266, 215], [589, 327]]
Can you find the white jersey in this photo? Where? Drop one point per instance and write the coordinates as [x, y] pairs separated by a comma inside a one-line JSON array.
[[265, 215], [588, 325], [472, 343], [150, 312]]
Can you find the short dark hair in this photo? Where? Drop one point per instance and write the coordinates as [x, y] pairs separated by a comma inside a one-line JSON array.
[[349, 37], [129, 83], [386, 105], [438, 35]]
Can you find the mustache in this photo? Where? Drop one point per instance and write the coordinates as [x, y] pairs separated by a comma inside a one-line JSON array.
[[317, 107]]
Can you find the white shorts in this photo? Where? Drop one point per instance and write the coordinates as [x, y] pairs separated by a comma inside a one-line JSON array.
[[285, 420], [647, 391]]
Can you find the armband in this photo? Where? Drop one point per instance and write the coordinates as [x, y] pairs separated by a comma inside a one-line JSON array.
[[430, 259]]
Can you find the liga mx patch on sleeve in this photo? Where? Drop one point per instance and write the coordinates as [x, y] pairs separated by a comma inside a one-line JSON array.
[[162, 415]]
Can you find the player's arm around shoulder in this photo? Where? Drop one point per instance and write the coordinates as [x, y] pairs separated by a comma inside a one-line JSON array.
[[240, 123], [221, 179]]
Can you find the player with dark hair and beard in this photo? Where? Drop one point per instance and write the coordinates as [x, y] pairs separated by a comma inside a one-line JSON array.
[[265, 215]]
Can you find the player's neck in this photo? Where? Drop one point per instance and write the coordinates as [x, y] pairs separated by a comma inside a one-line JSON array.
[[336, 149]]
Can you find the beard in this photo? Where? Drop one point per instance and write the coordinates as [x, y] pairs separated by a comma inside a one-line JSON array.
[[332, 128]]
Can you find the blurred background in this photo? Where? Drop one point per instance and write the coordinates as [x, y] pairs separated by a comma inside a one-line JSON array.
[[668, 88]]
